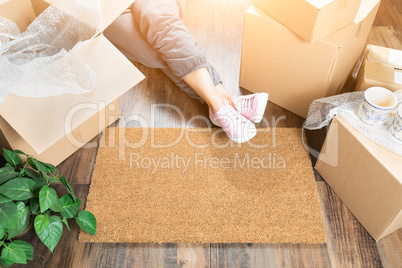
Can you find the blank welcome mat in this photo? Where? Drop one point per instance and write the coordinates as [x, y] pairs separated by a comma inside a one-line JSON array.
[[195, 185]]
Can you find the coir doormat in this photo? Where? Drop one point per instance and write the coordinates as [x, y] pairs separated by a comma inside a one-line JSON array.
[[195, 185]]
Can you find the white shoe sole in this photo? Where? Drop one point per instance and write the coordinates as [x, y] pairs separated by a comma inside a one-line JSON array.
[[239, 139], [262, 104]]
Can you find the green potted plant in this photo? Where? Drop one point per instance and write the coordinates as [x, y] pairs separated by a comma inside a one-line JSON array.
[[25, 194]]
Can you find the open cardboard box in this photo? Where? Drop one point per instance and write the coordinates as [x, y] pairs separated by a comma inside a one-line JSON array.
[[382, 67], [293, 71], [365, 176], [53, 128], [311, 19]]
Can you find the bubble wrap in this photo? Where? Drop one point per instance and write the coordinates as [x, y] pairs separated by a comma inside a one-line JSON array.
[[322, 111], [39, 62]]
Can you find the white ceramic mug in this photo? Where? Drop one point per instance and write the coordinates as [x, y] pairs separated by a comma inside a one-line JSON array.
[[396, 127], [377, 105]]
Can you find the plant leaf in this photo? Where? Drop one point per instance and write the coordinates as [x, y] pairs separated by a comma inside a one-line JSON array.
[[13, 158], [6, 174], [68, 187], [32, 173], [4, 199], [34, 205], [87, 222], [28, 249], [38, 185], [50, 167], [2, 232], [24, 214], [48, 230], [40, 222], [57, 206], [40, 166], [18, 188], [8, 215], [5, 263], [13, 252], [47, 197], [20, 152], [66, 223], [6, 169], [70, 207]]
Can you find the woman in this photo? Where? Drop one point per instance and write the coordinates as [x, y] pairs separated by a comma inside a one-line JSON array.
[[152, 33]]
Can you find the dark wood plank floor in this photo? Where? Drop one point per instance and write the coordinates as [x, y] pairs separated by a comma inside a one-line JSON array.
[[219, 29]]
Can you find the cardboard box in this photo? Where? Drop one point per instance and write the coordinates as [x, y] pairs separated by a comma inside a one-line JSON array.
[[53, 128], [293, 71], [382, 67], [365, 176], [311, 19]]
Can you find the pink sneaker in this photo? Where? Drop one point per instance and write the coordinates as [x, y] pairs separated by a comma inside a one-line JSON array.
[[238, 128], [252, 106]]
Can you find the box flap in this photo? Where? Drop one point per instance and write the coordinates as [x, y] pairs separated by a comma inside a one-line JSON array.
[[41, 121], [110, 9], [320, 3], [384, 55], [366, 7], [394, 225], [382, 72], [22, 18]]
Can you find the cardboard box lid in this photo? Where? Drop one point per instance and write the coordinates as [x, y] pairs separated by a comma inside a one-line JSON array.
[[343, 35], [110, 9], [311, 19], [382, 72]]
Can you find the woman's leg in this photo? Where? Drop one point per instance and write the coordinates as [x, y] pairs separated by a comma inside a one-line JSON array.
[[124, 33], [226, 94], [126, 36], [160, 23], [201, 82]]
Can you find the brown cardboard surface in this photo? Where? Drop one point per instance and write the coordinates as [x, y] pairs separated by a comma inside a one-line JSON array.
[[215, 199], [379, 69], [293, 71], [23, 18], [68, 144], [41, 122], [311, 20], [383, 55], [367, 177]]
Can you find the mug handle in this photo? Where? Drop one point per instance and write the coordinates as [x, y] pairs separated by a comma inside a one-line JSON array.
[[395, 110]]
